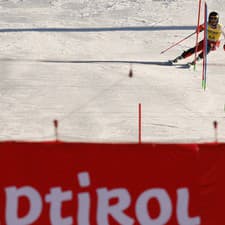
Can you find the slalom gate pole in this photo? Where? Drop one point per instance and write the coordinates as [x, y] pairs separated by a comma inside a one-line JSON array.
[[55, 122], [204, 50], [139, 124], [177, 43], [198, 22], [215, 124]]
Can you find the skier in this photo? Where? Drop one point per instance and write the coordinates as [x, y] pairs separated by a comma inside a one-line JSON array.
[[214, 31]]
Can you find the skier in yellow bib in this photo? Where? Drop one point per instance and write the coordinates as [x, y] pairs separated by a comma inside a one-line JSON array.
[[214, 31]]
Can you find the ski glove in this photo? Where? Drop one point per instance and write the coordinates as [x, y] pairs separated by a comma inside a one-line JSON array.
[[224, 47], [200, 28]]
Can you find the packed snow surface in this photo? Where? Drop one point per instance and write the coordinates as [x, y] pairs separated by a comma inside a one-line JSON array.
[[69, 60]]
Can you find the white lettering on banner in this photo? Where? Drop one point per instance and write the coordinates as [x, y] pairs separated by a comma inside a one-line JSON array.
[[56, 197], [84, 179], [116, 211], [12, 203], [83, 214], [165, 207], [182, 208]]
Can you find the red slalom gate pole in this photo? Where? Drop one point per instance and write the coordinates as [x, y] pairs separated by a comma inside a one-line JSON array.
[[139, 123], [198, 22], [204, 63]]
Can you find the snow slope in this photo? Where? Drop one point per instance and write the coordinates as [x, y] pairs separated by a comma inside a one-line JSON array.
[[69, 60]]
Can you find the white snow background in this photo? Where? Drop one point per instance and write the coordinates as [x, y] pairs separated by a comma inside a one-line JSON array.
[[69, 60]]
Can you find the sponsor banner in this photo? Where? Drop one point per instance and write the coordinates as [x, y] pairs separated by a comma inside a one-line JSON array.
[[100, 184], [212, 183]]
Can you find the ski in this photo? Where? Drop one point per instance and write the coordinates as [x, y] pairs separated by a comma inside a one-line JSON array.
[[188, 65], [179, 65], [170, 62]]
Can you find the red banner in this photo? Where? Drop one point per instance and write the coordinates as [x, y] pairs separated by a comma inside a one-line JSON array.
[[212, 183], [71, 183]]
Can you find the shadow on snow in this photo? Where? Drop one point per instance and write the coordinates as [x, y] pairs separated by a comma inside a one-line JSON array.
[[97, 29], [159, 63]]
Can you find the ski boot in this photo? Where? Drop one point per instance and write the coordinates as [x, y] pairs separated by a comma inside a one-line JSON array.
[[175, 60], [193, 63]]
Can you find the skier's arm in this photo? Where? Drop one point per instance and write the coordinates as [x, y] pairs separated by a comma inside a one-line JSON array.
[[200, 28]]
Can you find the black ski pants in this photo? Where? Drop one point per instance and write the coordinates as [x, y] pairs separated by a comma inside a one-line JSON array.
[[200, 46]]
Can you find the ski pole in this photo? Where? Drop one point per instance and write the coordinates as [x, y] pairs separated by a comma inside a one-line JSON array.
[[178, 42]]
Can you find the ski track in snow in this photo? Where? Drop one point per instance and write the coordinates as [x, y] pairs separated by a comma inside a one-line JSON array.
[[69, 60]]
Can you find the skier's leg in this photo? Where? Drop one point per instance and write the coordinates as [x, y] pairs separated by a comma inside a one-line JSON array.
[[189, 52], [200, 56]]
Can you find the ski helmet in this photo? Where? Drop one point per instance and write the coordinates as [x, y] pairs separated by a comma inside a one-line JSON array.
[[214, 15]]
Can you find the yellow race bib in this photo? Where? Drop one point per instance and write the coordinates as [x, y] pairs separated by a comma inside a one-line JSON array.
[[213, 34]]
